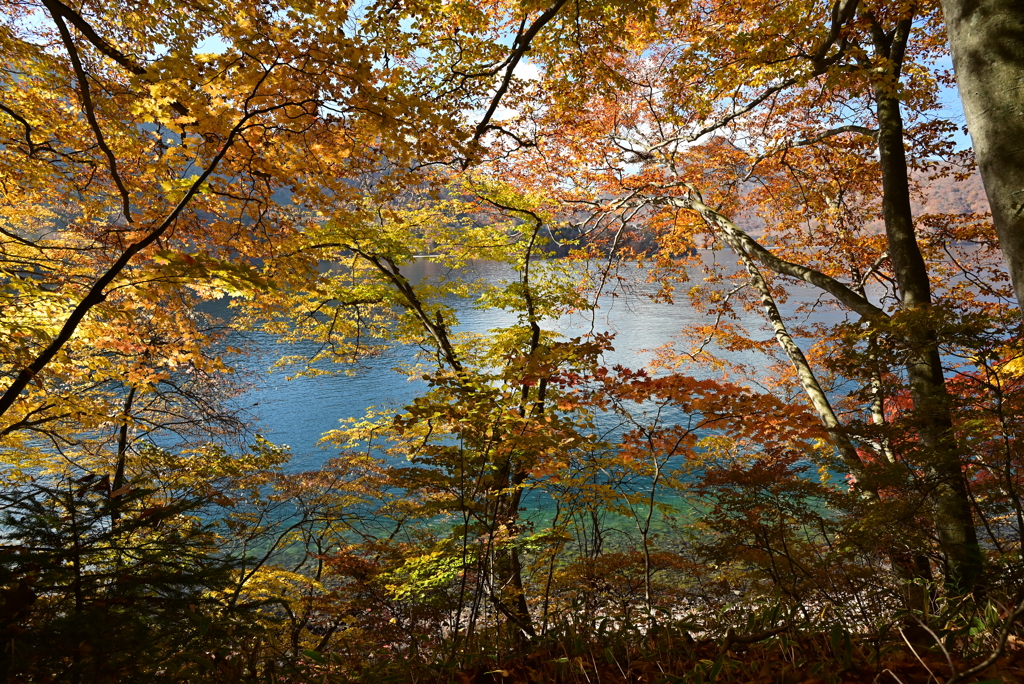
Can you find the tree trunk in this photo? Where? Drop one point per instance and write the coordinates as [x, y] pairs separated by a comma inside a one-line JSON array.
[[954, 523], [122, 453], [508, 594], [987, 41]]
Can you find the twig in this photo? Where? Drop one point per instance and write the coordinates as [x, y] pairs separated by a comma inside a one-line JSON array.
[[914, 651], [890, 672], [997, 654], [945, 652]]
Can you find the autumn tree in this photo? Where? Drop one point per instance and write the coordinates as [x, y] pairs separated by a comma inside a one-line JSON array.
[[301, 159], [701, 127], [151, 185]]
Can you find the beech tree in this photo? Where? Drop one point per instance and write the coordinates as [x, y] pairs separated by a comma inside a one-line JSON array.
[[300, 158], [151, 185], [986, 39]]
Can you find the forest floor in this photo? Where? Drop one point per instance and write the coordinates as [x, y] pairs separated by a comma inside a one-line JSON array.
[[782, 658]]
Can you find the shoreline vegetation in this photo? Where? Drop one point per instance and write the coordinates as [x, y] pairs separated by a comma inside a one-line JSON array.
[[812, 478]]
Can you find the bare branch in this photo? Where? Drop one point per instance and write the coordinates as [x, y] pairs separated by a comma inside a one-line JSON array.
[[90, 111], [521, 47]]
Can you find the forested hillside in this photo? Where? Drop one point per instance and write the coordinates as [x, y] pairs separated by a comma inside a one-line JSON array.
[[949, 195], [817, 480]]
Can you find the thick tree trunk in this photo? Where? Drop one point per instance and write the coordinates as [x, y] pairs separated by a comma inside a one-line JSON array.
[[987, 40], [916, 597], [954, 523]]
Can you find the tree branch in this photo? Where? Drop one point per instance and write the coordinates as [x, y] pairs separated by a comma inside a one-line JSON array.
[[96, 293], [521, 47], [751, 247], [726, 120], [832, 132], [808, 379], [842, 12], [437, 328], [804, 142], [58, 8], [90, 111], [32, 147]]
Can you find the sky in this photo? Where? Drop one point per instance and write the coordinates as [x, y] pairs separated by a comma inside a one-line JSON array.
[[954, 111]]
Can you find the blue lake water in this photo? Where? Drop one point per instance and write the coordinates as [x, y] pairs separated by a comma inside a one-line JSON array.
[[297, 412]]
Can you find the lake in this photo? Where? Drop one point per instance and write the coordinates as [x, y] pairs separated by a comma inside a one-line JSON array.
[[297, 412]]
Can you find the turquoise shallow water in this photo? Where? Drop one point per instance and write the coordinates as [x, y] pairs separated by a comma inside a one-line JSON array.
[[297, 412]]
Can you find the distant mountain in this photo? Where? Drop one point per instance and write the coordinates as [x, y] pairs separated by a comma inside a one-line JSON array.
[[950, 196], [938, 196]]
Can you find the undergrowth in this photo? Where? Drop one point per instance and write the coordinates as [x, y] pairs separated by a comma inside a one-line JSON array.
[[770, 648]]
